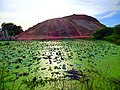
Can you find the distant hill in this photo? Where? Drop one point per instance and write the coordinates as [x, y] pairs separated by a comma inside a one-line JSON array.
[[73, 26]]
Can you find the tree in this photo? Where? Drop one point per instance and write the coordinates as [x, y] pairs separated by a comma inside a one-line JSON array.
[[117, 29], [11, 29], [109, 34], [101, 33]]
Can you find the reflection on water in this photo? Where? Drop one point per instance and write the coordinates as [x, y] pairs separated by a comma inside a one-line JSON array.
[[50, 64]]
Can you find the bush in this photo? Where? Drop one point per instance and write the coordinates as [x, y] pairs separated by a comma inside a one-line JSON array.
[[116, 40], [109, 34], [109, 38], [112, 38], [101, 33], [117, 29]]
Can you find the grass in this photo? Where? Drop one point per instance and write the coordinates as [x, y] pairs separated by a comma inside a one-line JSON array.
[[59, 65]]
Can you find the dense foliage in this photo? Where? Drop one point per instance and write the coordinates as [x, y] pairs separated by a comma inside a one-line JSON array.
[[111, 34], [101, 33], [11, 28], [117, 29]]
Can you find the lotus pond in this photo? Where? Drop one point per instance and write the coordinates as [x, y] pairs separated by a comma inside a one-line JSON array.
[[59, 65]]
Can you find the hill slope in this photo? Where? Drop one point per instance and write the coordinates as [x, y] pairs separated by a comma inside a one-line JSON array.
[[74, 26]]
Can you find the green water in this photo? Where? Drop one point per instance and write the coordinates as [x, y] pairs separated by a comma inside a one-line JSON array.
[[59, 65]]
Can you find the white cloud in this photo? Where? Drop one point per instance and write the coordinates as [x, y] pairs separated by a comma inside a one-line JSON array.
[[108, 15], [29, 12]]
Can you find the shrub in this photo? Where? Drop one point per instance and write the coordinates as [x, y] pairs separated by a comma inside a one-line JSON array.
[[101, 33], [113, 38], [117, 29], [109, 34]]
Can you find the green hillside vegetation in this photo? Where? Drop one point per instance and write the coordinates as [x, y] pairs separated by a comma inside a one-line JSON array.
[[111, 34]]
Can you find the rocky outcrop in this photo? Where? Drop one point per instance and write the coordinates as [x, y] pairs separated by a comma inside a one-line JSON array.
[[74, 26]]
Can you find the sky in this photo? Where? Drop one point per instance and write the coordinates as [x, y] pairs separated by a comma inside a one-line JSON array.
[[27, 13]]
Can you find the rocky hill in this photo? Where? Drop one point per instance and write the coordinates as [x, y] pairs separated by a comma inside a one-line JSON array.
[[73, 26]]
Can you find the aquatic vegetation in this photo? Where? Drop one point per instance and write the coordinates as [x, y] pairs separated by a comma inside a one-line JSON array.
[[59, 65]]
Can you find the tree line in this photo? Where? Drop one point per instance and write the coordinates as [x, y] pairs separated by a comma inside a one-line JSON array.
[[11, 29], [8, 31], [111, 34]]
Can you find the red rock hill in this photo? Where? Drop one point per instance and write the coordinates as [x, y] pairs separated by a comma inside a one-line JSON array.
[[74, 26]]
